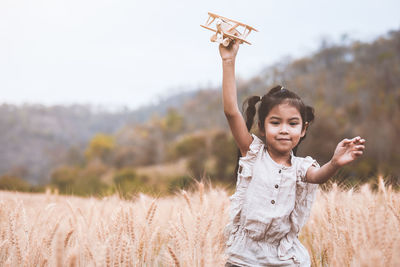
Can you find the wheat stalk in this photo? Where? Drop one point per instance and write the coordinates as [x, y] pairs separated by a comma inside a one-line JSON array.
[[173, 256], [346, 228]]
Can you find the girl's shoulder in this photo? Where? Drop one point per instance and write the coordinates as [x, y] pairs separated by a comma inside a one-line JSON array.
[[247, 161], [256, 146], [305, 160], [302, 165]]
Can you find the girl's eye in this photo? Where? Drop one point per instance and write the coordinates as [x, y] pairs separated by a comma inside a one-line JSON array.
[[294, 123], [274, 122]]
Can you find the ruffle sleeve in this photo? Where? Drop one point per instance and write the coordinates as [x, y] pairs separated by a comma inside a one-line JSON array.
[[246, 163], [243, 179], [305, 196]]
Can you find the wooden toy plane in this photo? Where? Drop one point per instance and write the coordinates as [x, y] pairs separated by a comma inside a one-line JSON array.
[[226, 29]]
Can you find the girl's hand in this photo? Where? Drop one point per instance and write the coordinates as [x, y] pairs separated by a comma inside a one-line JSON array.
[[229, 53], [347, 151]]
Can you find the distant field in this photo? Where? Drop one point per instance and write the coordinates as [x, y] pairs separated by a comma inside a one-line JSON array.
[[345, 229]]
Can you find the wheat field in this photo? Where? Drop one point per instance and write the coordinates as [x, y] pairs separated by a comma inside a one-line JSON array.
[[346, 228]]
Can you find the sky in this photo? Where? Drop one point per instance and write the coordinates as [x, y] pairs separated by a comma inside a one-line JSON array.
[[120, 53]]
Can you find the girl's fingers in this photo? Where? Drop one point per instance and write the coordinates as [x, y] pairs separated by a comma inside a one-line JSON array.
[[357, 153], [356, 143], [360, 141], [345, 142], [354, 139]]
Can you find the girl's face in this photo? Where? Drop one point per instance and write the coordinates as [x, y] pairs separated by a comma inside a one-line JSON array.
[[283, 128]]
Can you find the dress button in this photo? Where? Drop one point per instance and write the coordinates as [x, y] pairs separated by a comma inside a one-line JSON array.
[[280, 171], [276, 186], [273, 201]]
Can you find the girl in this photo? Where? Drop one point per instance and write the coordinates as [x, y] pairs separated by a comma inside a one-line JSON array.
[[275, 189]]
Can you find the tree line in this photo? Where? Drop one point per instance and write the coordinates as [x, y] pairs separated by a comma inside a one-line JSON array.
[[354, 88]]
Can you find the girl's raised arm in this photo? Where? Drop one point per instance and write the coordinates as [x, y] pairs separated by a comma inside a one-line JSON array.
[[235, 119]]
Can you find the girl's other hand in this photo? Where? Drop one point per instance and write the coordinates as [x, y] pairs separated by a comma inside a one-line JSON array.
[[348, 150], [229, 53]]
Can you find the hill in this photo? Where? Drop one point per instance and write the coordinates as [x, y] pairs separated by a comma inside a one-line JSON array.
[[354, 88]]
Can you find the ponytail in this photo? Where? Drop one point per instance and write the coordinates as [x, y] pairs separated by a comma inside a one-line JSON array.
[[308, 119], [309, 114], [250, 111]]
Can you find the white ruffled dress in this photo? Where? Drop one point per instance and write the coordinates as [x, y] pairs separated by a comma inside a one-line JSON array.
[[271, 204]]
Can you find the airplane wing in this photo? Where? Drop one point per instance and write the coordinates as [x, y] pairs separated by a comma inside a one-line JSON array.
[[208, 28], [234, 21], [235, 37]]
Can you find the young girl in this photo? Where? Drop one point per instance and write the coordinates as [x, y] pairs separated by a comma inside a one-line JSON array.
[[275, 189]]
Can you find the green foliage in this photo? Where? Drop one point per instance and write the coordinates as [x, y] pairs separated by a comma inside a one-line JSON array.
[[217, 148], [187, 146], [197, 163], [64, 178], [80, 181], [100, 147], [127, 182], [179, 183], [195, 149], [125, 176], [12, 183], [225, 151], [173, 122], [90, 181]]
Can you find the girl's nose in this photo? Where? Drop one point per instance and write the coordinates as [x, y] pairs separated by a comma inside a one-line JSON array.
[[284, 129]]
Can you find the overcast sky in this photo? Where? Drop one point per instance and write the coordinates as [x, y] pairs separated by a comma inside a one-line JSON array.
[[129, 53]]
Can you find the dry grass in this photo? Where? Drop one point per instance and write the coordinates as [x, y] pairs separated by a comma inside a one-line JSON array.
[[349, 228], [345, 229]]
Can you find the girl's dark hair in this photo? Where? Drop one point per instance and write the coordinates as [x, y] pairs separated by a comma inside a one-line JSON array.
[[275, 96]]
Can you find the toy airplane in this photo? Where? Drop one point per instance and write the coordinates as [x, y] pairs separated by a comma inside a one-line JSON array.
[[226, 29]]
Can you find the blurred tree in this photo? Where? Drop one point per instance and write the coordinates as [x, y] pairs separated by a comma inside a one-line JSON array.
[[127, 182], [85, 181], [180, 182], [194, 147], [74, 156], [197, 163], [173, 123], [224, 150], [187, 145], [13, 183], [100, 147], [64, 178], [89, 184]]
